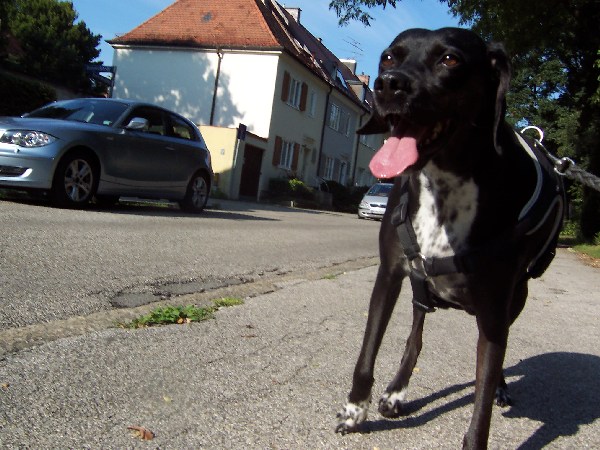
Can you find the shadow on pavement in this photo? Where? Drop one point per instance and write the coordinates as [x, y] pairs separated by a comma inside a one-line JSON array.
[[559, 390]]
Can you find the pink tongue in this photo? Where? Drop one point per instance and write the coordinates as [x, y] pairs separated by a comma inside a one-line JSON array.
[[394, 157]]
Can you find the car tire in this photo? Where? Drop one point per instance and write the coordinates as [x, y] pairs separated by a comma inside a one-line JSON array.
[[197, 193], [75, 180]]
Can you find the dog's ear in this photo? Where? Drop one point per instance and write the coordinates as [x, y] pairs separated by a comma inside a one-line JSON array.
[[501, 71], [375, 125]]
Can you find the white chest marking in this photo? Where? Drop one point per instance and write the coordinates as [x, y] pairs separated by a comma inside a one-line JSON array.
[[447, 207]]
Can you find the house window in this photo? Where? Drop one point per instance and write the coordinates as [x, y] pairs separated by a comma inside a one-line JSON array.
[[334, 117], [294, 92], [329, 165], [347, 125], [285, 154], [343, 173]]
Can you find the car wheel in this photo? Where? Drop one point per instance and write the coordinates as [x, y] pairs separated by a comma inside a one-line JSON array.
[[197, 192], [75, 180]]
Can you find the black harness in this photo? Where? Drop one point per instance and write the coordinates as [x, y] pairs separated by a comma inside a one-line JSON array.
[[548, 193]]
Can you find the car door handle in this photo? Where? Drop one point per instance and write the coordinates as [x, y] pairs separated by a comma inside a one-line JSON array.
[[170, 148]]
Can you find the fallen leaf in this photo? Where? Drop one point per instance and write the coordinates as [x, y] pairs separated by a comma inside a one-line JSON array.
[[5, 385], [142, 433]]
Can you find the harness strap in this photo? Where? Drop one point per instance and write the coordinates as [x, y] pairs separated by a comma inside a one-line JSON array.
[[547, 196], [422, 296], [421, 267]]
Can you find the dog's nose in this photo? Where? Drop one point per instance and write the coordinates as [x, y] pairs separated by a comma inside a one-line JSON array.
[[390, 83]]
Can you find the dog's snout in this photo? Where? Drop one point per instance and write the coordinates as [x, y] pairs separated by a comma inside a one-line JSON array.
[[391, 83]]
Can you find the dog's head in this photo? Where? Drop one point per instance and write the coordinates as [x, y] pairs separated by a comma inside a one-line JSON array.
[[433, 88]]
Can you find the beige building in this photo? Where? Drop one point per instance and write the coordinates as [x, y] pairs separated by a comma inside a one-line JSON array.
[[272, 101]]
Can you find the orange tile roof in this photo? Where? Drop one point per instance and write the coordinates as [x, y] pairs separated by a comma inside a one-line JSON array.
[[206, 23], [239, 24]]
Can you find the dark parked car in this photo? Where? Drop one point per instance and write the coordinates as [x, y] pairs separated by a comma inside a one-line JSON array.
[[105, 148], [374, 202]]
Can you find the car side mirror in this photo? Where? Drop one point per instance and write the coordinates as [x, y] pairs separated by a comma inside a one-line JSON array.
[[137, 123]]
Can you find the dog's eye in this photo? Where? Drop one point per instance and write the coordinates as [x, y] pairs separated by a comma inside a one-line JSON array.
[[450, 60], [387, 61]]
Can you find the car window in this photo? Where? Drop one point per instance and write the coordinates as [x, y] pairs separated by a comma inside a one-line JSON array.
[[181, 128], [155, 118], [382, 190], [82, 110]]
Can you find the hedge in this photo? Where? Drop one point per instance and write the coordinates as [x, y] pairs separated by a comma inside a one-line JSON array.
[[18, 96]]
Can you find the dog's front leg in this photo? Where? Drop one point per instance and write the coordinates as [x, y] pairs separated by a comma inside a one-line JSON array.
[[392, 401], [491, 348], [383, 299]]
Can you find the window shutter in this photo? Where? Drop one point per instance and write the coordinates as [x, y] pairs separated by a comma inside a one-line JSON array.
[[277, 151], [295, 156], [303, 96], [336, 171], [285, 88], [323, 160]]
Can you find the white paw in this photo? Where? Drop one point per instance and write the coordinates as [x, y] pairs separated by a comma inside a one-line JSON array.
[[351, 415], [391, 403]]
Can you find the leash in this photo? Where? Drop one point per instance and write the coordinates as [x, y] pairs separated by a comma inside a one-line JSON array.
[[565, 166]]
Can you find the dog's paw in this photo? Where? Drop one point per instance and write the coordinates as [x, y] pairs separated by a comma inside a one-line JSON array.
[[351, 415], [391, 404], [502, 398]]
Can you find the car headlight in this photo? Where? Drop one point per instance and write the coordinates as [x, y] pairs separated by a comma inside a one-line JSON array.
[[363, 205], [26, 138]]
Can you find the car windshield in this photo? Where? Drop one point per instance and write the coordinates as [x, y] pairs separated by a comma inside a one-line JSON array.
[[381, 190], [83, 110]]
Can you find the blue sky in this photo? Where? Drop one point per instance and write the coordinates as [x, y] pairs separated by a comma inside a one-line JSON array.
[[354, 41]]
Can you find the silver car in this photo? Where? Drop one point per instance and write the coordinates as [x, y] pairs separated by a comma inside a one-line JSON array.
[[374, 202], [89, 148]]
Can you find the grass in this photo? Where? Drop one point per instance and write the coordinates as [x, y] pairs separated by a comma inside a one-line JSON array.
[[571, 237], [330, 276], [590, 250], [168, 315]]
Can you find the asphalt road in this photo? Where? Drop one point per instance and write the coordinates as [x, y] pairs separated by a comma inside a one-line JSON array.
[[273, 372], [56, 264]]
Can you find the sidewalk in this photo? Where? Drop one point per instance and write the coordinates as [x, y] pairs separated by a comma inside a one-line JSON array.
[[272, 373]]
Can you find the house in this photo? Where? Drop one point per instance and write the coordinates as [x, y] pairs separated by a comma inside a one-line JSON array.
[[271, 99]]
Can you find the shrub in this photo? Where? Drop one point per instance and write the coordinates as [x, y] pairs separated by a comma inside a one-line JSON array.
[[18, 96], [345, 199], [289, 189]]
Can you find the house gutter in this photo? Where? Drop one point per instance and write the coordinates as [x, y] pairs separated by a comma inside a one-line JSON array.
[[217, 76]]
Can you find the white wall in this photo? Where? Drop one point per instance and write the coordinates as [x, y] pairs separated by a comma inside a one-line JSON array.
[[179, 80], [184, 81], [249, 78]]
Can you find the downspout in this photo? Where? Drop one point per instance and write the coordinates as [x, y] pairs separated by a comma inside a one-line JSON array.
[[214, 99], [323, 132]]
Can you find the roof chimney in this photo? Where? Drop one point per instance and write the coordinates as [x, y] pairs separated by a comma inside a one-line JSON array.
[[364, 78], [350, 64], [294, 12]]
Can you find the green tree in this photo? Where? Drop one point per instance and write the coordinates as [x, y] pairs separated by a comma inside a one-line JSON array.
[[555, 47], [55, 47]]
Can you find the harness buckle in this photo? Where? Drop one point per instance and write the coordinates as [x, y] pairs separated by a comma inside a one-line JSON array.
[[562, 165], [419, 264]]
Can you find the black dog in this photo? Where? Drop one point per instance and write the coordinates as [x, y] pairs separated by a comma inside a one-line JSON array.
[[474, 213]]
